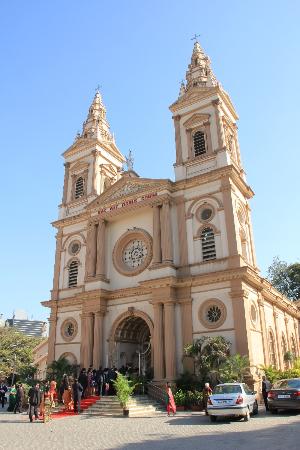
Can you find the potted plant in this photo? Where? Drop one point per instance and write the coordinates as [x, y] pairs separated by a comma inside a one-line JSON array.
[[180, 399], [197, 401], [124, 389]]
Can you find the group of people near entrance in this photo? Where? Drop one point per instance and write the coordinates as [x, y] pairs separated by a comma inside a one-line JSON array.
[[89, 383]]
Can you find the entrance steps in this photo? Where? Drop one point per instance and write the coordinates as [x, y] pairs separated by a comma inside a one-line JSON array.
[[139, 406]]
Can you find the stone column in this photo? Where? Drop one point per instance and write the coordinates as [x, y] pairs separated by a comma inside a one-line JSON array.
[[170, 342], [91, 252], [88, 339], [178, 140], [100, 266], [166, 233], [158, 342], [264, 334], [52, 336], [187, 331], [156, 235], [221, 136], [98, 337], [278, 340], [57, 264], [66, 183]]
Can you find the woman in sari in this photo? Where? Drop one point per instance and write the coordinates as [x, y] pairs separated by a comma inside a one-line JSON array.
[[171, 406], [52, 392]]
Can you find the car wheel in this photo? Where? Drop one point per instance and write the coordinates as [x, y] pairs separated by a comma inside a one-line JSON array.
[[213, 418], [247, 416], [255, 408]]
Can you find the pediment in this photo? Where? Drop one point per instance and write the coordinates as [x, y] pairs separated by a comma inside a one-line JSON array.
[[128, 188], [196, 119], [80, 165]]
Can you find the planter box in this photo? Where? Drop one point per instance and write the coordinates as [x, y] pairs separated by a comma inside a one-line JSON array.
[[180, 408], [197, 408]]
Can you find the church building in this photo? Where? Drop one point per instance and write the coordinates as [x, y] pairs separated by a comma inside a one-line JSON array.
[[145, 266]]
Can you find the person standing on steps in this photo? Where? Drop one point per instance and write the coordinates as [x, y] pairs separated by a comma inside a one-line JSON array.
[[77, 390], [3, 390]]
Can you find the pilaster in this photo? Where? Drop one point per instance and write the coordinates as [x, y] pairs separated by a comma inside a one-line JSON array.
[[98, 338], [170, 342], [66, 183], [57, 265], [178, 139], [100, 266], [166, 233], [158, 342], [156, 235], [265, 338], [91, 253]]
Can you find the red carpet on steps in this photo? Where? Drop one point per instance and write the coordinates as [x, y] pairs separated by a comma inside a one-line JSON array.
[[84, 404]]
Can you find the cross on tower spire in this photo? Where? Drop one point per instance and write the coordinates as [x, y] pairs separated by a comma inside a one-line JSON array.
[[195, 37]]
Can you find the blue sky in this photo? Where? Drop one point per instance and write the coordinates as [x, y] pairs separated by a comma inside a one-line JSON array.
[[54, 54]]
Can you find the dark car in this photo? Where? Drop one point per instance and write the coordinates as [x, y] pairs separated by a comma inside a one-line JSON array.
[[285, 394]]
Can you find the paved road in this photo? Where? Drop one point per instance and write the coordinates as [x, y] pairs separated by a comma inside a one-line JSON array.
[[186, 431]]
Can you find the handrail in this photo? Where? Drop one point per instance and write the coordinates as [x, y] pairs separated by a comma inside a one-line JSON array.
[[156, 392]]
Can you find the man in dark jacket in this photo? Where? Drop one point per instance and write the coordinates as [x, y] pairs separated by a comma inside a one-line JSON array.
[[34, 398], [3, 390], [19, 399], [77, 393], [83, 380]]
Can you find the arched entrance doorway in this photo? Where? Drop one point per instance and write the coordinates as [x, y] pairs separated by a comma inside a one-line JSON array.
[[130, 342]]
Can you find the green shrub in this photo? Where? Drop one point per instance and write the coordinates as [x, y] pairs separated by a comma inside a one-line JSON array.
[[180, 397]]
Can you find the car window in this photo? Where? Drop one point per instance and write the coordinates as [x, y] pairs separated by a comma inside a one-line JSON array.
[[247, 390], [282, 384], [227, 389], [295, 384]]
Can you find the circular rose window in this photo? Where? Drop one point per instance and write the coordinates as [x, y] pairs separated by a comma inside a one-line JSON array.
[[132, 252], [69, 329], [74, 247], [205, 213], [212, 313]]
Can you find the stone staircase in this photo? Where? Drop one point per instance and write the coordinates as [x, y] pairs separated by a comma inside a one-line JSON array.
[[139, 406]]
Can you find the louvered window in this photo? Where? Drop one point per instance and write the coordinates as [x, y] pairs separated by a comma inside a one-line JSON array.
[[79, 187], [208, 244], [73, 273], [199, 143]]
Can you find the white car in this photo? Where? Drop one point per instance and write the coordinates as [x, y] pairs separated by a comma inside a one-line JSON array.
[[232, 399]]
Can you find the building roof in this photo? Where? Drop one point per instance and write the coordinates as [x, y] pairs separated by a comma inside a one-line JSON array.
[[35, 328]]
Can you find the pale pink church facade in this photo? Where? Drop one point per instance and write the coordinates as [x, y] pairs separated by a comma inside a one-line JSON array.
[[145, 266]]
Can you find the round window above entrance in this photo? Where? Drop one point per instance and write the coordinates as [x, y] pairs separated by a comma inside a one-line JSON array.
[[133, 252], [212, 313]]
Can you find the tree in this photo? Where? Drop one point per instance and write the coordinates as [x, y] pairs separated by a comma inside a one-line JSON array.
[[285, 278], [235, 368], [16, 355], [209, 354], [57, 369]]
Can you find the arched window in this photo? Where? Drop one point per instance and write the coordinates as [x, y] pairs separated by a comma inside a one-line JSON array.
[[272, 353], [73, 273], [199, 143], [208, 244], [79, 187]]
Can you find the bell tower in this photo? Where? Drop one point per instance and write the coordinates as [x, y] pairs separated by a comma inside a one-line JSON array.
[[92, 163], [208, 155], [205, 122]]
